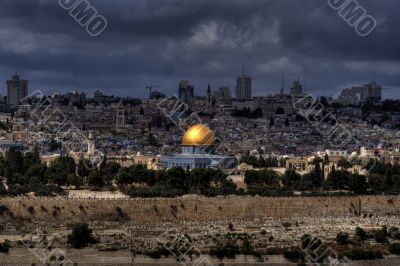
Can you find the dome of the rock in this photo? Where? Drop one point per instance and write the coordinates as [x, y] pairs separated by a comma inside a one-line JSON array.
[[198, 135]]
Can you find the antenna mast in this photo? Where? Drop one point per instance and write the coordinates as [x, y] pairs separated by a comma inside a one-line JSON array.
[[305, 80]]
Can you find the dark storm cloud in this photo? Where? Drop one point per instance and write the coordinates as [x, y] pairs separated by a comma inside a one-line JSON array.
[[163, 41]]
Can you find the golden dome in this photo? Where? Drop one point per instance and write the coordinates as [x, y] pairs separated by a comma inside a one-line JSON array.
[[198, 135]]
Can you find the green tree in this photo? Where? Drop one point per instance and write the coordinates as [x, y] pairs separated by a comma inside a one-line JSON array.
[[30, 175], [68, 164], [265, 178], [37, 170], [326, 159], [84, 167], [177, 178], [95, 179], [56, 173], [110, 171], [291, 178], [59, 170], [14, 163], [376, 183], [396, 182], [344, 164], [138, 174], [251, 177], [199, 180], [314, 179], [31, 158], [251, 160], [3, 191], [2, 165], [269, 178], [74, 180], [358, 183], [123, 177], [339, 179]]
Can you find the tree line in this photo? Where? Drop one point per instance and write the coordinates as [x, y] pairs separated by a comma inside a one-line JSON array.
[[383, 178], [26, 173]]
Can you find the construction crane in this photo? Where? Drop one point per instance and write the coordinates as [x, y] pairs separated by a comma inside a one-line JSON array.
[[151, 87]]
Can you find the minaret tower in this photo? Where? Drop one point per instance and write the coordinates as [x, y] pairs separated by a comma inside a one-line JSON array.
[[91, 146]]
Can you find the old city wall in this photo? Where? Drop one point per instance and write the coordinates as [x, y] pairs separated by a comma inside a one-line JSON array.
[[194, 209]]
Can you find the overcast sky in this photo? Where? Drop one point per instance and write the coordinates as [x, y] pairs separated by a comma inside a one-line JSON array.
[[160, 42]]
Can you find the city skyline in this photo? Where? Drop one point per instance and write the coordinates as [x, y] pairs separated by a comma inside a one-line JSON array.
[[295, 88], [208, 132], [200, 42]]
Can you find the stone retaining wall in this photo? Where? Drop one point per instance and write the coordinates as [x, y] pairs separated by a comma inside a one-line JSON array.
[[194, 209]]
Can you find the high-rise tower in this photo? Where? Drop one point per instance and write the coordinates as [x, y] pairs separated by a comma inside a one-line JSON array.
[[243, 87], [17, 89], [186, 92]]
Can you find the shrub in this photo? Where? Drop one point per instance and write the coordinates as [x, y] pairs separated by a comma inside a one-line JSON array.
[[31, 210], [225, 251], [247, 248], [81, 236], [287, 225], [363, 254], [394, 232], [294, 255], [231, 227], [380, 235], [119, 210], [361, 234], [4, 247], [394, 248], [121, 214], [342, 238], [158, 253]]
